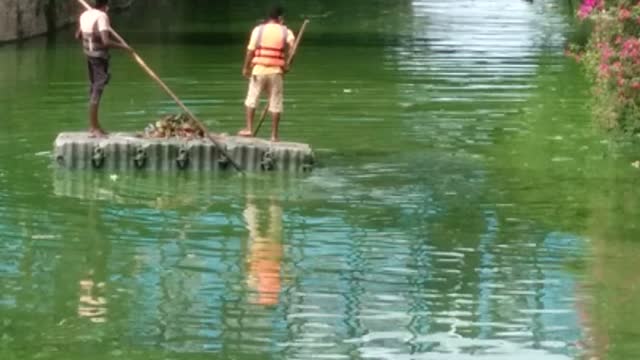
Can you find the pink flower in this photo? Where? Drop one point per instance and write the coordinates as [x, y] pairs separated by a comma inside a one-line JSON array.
[[606, 52], [617, 66], [604, 70], [630, 48], [587, 7], [624, 14]]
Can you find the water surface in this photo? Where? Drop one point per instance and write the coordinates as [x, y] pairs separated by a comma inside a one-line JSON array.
[[464, 206]]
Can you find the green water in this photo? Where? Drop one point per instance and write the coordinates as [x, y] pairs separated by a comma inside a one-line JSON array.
[[464, 206]]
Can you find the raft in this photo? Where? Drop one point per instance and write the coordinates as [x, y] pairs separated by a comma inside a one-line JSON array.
[[131, 152]]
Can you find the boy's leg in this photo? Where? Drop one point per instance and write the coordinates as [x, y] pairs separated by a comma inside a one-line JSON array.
[[253, 95], [99, 77], [275, 104]]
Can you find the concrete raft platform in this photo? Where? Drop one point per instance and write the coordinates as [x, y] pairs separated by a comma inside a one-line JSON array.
[[126, 151]]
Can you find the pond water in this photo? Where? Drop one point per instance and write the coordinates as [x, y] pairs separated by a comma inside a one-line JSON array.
[[464, 206]]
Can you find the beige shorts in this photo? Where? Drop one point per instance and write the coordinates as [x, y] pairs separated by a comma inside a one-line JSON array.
[[273, 84]]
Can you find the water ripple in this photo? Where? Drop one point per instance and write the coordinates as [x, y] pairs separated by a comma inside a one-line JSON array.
[[417, 237]]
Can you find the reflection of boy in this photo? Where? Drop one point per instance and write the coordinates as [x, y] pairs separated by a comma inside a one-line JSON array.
[[265, 255], [90, 305], [92, 300]]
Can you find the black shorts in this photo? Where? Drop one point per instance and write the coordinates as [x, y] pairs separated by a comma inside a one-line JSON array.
[[98, 77]]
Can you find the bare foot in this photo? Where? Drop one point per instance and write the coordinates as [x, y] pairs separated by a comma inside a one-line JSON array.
[[275, 139], [245, 133], [97, 133]]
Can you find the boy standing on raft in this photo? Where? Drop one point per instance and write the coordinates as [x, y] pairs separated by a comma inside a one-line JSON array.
[[93, 29], [265, 63]]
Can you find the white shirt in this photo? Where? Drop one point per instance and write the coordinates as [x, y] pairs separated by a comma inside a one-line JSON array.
[[90, 17]]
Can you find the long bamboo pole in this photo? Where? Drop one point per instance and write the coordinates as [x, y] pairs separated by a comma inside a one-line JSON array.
[[175, 98], [289, 61]]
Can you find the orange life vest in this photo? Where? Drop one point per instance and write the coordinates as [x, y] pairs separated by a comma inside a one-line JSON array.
[[270, 45]]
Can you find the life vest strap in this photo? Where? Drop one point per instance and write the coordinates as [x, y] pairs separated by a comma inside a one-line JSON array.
[[268, 48], [281, 57]]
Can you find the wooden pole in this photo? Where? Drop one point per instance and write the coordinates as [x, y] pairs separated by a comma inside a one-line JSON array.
[[289, 61], [175, 98]]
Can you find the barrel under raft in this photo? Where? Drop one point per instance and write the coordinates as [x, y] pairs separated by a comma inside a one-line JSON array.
[[127, 151]]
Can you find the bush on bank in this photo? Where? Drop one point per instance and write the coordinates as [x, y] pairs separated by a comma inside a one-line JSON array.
[[612, 60]]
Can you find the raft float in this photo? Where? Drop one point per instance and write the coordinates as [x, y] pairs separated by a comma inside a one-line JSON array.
[[177, 143], [128, 151]]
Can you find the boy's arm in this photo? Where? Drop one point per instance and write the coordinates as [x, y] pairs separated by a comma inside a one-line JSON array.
[[246, 68], [251, 51], [104, 27]]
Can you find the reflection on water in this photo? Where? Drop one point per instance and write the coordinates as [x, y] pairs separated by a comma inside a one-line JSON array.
[[265, 251], [467, 68], [90, 305], [448, 220], [408, 280]]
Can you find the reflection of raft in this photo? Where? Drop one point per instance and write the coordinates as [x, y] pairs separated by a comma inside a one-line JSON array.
[[125, 151]]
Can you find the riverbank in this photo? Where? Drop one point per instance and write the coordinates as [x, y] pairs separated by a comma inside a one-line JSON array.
[[23, 19]]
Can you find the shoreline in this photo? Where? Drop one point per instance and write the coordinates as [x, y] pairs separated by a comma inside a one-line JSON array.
[[23, 20]]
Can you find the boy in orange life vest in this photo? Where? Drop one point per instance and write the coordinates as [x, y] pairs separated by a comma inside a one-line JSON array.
[[265, 64], [93, 29]]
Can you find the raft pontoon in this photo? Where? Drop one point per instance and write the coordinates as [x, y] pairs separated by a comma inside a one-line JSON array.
[[126, 151]]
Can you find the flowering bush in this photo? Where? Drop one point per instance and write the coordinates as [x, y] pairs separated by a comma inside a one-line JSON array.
[[612, 58], [587, 7]]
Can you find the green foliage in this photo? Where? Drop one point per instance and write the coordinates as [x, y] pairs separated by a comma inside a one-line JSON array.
[[612, 60]]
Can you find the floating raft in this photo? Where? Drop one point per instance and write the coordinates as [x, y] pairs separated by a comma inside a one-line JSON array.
[[126, 151]]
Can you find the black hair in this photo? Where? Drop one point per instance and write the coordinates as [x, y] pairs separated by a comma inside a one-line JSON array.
[[276, 12], [101, 3]]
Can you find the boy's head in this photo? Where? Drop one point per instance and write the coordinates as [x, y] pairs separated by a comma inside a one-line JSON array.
[[277, 13], [101, 4]]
